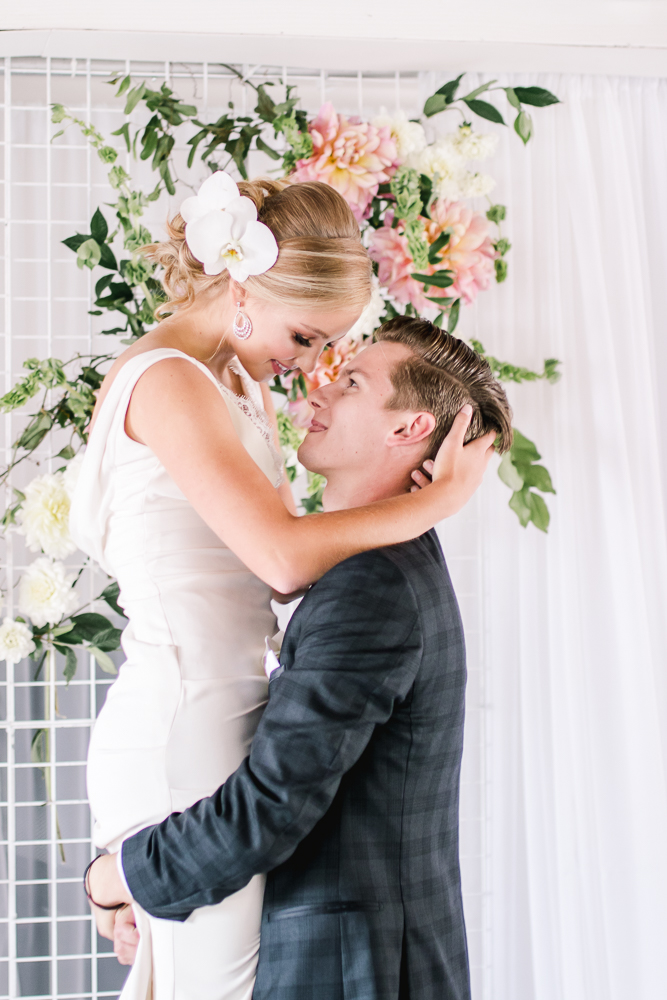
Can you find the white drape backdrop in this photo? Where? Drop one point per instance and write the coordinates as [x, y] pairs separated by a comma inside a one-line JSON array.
[[576, 622]]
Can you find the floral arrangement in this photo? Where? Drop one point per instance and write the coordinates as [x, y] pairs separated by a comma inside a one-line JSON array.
[[434, 249]]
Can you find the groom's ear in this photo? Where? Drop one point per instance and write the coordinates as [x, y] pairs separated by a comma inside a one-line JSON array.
[[412, 428]]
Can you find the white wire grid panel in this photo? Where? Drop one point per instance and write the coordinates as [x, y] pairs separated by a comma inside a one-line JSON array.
[[48, 943]]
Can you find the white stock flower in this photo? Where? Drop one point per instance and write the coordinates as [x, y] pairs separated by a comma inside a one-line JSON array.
[[443, 163], [222, 231], [409, 136], [46, 594], [474, 145], [369, 320], [15, 641], [44, 516], [477, 185]]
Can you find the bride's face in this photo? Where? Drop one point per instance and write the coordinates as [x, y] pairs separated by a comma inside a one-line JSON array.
[[283, 338]]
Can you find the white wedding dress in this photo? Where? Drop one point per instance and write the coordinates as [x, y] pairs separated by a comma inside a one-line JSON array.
[[180, 716]]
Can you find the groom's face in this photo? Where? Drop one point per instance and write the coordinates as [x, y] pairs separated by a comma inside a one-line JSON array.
[[352, 425]]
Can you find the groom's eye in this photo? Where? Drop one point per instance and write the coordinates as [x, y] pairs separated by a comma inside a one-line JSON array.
[[300, 339]]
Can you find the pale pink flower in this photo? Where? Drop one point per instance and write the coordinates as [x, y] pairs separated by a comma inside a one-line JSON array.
[[328, 369], [352, 156], [470, 252], [469, 255]]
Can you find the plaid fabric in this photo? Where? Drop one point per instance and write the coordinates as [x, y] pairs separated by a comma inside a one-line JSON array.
[[349, 798]]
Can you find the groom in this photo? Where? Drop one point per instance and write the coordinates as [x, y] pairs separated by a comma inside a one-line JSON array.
[[349, 797]]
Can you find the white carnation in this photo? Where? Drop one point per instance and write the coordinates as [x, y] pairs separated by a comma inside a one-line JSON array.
[[409, 136], [71, 474], [44, 516], [15, 641], [46, 594], [369, 320], [474, 145], [477, 185]]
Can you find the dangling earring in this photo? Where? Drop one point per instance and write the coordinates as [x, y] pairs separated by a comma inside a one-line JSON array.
[[242, 326]]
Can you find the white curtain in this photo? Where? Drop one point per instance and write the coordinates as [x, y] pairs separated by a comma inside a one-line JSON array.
[[576, 621]]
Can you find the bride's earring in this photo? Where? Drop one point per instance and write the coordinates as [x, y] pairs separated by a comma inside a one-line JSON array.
[[242, 326]]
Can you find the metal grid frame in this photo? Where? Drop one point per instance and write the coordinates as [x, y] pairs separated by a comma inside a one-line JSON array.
[[28, 701]]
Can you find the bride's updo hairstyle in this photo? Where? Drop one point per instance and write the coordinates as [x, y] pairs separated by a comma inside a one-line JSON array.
[[321, 260]]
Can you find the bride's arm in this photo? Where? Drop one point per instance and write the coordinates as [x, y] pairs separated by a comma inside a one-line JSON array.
[[178, 413]]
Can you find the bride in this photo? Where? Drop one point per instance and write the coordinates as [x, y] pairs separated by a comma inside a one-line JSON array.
[[182, 498]]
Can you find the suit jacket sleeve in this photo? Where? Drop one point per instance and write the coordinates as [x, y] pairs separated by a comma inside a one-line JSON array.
[[357, 653]]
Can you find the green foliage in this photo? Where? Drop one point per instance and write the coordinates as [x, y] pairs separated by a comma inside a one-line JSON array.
[[496, 214], [519, 471], [405, 186], [506, 372], [313, 502]]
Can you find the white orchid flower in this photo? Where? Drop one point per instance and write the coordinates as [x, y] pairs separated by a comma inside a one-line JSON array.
[[222, 230]]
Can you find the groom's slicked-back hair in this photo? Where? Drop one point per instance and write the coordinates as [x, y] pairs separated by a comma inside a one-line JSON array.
[[441, 376]]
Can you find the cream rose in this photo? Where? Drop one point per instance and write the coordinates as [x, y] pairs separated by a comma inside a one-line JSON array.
[[46, 594]]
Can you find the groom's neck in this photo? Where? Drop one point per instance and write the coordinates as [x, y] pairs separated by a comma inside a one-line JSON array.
[[344, 491]]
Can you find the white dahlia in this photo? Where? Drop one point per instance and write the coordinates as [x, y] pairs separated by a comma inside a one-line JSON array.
[[409, 136], [44, 516], [477, 185], [443, 163], [474, 145], [15, 641], [45, 592]]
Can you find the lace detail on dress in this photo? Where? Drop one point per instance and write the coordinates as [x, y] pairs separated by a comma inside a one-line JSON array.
[[255, 412]]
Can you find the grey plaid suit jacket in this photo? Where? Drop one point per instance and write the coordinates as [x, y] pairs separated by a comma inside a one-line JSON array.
[[349, 798]]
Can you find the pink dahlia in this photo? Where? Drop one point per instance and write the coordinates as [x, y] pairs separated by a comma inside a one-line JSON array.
[[352, 156], [469, 255]]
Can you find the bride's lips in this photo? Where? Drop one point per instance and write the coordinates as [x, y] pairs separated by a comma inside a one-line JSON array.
[[279, 369], [316, 427]]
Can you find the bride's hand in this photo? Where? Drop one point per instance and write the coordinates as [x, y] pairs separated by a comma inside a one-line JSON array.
[[461, 466]]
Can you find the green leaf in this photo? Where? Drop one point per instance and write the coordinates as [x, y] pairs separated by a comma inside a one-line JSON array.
[[58, 114], [441, 279], [439, 245], [108, 640], [523, 126], [523, 450], [519, 504], [70, 664], [478, 90], [485, 110], [133, 98], [266, 149], [509, 473], [90, 624], [453, 316], [35, 432], [512, 98], [89, 254], [124, 130], [435, 104], [266, 108], [124, 84], [99, 229], [539, 512], [67, 453], [538, 477], [537, 96], [38, 746], [496, 213], [448, 90], [103, 660]]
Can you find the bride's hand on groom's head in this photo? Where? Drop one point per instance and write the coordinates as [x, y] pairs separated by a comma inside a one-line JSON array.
[[461, 465]]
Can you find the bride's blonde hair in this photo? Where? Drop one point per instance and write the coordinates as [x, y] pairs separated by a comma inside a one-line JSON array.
[[321, 260]]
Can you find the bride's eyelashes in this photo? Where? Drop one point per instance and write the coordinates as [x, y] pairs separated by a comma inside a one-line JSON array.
[[303, 341]]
